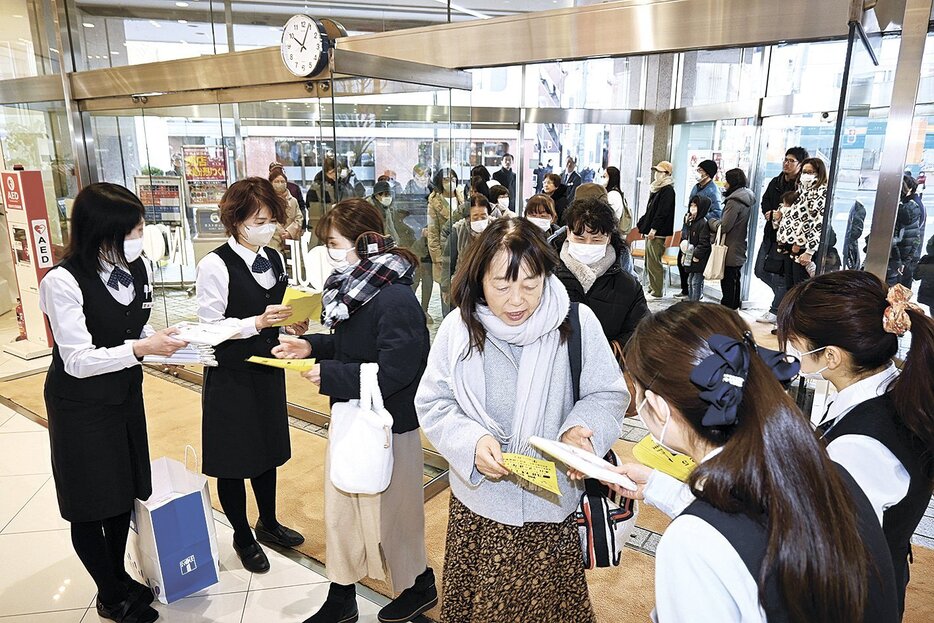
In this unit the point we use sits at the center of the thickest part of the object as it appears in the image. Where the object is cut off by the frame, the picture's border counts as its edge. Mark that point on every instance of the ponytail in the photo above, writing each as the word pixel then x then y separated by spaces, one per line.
pixel 913 390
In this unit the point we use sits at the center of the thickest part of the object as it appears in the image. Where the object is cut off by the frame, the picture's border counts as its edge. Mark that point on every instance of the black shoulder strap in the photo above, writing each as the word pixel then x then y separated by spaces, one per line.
pixel 575 349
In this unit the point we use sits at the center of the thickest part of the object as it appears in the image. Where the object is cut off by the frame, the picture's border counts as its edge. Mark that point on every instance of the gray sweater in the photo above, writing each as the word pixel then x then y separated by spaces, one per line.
pixel 602 404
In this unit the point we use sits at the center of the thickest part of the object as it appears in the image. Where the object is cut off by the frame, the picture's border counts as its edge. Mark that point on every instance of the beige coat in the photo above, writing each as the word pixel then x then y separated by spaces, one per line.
pixel 292 224
pixel 440 219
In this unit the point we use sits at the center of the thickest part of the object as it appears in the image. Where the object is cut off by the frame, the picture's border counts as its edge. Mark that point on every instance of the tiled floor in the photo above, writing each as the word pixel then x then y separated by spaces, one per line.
pixel 42 581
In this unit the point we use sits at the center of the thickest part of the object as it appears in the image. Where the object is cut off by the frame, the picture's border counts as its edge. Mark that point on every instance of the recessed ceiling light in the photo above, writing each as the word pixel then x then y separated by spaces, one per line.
pixel 181 4
pixel 183 21
pixel 87 25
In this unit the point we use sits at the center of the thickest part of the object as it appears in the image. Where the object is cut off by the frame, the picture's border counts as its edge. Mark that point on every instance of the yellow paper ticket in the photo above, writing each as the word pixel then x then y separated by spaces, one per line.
pixel 537 471
pixel 653 455
pixel 305 305
pixel 301 365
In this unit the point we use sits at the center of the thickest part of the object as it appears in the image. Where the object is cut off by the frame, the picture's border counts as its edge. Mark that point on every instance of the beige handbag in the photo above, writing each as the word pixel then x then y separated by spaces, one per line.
pixel 717 262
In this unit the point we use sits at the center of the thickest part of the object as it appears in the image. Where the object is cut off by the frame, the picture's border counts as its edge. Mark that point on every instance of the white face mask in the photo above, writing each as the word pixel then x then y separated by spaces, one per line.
pixel 479 226
pixel 386 201
pixel 807 179
pixel 586 253
pixel 503 203
pixel 448 185
pixel 699 177
pixel 338 257
pixel 603 181
pixel 280 187
pixel 660 440
pixel 132 249
pixel 818 376
pixel 259 235
pixel 542 223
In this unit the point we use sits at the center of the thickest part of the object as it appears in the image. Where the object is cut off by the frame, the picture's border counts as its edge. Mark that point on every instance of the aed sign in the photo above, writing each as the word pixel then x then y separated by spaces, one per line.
pixel 12 191
pixel 42 243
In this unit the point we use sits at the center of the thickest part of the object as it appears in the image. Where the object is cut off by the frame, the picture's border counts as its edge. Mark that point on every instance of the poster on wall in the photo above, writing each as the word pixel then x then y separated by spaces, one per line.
pixel 205 178
pixel 161 196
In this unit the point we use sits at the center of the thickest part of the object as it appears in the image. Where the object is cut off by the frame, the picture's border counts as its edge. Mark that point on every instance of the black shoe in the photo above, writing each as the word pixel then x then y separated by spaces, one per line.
pixel 138 593
pixel 279 535
pixel 127 611
pixel 253 557
pixel 413 601
pixel 339 607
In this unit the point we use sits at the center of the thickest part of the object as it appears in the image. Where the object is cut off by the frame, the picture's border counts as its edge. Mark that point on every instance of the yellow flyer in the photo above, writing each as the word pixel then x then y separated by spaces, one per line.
pixel 304 305
pixel 653 455
pixel 300 365
pixel 537 471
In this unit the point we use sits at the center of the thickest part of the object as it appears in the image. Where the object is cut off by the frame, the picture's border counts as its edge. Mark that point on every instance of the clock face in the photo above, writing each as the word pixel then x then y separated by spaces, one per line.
pixel 304 45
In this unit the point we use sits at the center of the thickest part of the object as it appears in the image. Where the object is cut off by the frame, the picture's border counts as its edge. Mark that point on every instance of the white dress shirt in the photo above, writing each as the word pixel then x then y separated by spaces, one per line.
pixel 699 577
pixel 61 299
pixel 880 475
pixel 213 286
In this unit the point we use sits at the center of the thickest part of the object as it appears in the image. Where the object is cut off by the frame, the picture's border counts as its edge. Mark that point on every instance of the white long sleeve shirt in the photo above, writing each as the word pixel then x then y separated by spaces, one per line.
pixel 61 299
pixel 213 285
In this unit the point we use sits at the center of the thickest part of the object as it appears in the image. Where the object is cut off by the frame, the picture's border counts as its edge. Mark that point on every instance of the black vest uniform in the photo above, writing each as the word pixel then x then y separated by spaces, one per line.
pixel 245 426
pixel 97 425
pixel 750 540
pixel 877 418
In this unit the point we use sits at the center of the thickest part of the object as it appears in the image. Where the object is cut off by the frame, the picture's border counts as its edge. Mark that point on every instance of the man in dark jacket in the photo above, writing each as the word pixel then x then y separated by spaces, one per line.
pixel 656 224
pixel 854 231
pixel 784 182
pixel 571 178
pixel 913 236
pixel 507 177
pixel 613 294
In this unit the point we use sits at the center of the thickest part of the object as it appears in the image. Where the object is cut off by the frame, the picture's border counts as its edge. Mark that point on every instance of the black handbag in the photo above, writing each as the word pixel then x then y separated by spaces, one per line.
pixel 774 261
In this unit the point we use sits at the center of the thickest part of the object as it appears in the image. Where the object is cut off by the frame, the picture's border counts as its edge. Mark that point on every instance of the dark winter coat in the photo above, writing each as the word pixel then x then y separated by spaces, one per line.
pixel 772 200
pixel 698 236
pixel 735 224
pixel 659 213
pixel 561 197
pixel 924 272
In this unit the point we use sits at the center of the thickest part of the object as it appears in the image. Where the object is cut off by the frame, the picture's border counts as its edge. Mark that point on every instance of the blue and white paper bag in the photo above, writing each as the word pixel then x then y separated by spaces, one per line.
pixel 172 544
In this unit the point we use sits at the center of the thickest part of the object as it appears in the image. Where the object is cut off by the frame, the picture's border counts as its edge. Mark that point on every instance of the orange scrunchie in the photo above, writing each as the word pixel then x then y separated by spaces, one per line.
pixel 896 319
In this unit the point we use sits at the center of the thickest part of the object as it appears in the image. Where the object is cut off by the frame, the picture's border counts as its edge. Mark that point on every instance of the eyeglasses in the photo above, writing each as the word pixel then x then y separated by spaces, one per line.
pixel 790 161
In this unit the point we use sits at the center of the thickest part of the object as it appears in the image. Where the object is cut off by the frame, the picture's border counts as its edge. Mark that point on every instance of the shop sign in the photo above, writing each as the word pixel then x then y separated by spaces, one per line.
pixel 12 191
pixel 43 243
pixel 205 163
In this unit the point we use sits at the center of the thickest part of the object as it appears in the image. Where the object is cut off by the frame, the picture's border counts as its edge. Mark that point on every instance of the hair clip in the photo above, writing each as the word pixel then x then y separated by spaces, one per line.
pixel 721 377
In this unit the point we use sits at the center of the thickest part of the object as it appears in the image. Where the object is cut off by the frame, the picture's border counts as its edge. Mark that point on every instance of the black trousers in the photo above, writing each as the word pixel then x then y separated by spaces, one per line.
pixel 730 286
pixel 682 272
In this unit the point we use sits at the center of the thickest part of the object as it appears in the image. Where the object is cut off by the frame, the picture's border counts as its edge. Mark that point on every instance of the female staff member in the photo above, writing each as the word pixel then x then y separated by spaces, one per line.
pixel 444 209
pixel 773 517
pixel 291 227
pixel 375 317
pixel 245 428
pixel 98 300
pixel 512 332
pixel 593 259
pixel 880 426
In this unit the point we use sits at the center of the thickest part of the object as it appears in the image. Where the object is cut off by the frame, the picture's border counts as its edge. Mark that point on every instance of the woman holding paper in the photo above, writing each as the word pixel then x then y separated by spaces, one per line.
pixel 375 318
pixel 245 429
pixel 499 373
pixel 97 298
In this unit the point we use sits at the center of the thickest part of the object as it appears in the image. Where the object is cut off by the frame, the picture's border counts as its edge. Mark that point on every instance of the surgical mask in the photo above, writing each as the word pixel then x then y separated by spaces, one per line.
pixel 279 187
pixel 339 257
pixel 503 203
pixel 386 201
pixel 542 223
pixel 259 235
pixel 132 249
pixel 807 179
pixel 345 174
pixel 603 181
pixel 817 376
pixel 479 226
pixel 587 253
pixel 448 185
pixel 660 440
pixel 699 177
pixel 421 180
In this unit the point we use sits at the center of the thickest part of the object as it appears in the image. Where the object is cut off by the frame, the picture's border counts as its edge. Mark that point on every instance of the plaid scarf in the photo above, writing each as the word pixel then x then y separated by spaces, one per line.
pixel 348 290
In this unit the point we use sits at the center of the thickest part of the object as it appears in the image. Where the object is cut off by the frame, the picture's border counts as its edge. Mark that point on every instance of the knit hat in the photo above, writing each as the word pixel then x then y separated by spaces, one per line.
pixel 709 167
pixel 382 187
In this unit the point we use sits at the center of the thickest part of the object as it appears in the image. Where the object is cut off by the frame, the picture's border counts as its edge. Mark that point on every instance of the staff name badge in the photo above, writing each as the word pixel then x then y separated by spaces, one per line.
pixel 147 296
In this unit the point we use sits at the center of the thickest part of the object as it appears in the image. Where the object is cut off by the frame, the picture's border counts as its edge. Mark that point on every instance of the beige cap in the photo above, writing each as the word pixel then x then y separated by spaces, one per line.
pixel 664 165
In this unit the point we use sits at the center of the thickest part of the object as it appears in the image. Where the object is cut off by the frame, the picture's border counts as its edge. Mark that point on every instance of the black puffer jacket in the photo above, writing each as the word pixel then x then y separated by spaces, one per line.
pixel 616 298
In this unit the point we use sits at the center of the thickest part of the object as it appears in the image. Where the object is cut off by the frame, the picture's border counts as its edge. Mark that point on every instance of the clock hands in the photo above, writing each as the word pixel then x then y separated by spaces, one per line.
pixel 300 43
pixel 307 28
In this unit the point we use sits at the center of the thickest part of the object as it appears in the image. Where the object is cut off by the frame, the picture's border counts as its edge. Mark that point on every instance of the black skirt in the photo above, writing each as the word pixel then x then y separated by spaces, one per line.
pixel 100 456
pixel 245 425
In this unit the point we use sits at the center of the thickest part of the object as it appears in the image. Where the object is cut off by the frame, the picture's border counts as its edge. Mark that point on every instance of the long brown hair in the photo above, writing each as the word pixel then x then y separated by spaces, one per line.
pixel 526 245
pixel 245 198
pixel 771 464
pixel 353 218
pixel 845 309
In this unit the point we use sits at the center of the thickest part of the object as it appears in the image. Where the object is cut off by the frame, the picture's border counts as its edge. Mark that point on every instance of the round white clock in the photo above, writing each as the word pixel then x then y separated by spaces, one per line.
pixel 305 45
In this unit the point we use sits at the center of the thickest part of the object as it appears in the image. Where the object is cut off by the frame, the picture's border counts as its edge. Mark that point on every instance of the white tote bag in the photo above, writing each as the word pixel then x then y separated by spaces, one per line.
pixel 717 261
pixel 360 439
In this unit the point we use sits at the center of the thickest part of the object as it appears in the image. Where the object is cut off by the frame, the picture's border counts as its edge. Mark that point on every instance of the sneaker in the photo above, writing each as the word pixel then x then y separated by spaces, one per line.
pixel 653 297
pixel 413 601
pixel 767 318
pixel 682 295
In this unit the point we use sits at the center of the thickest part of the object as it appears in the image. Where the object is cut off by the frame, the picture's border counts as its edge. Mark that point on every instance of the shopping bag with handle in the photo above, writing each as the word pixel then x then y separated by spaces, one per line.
pixel 716 264
pixel 360 439
pixel 172 545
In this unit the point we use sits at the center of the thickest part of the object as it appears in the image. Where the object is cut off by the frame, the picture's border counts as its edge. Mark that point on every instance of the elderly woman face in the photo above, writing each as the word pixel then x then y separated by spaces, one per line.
pixel 513 302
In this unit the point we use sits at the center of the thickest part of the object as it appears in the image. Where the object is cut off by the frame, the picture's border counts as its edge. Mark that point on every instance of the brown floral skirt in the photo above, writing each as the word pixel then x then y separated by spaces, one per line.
pixel 494 573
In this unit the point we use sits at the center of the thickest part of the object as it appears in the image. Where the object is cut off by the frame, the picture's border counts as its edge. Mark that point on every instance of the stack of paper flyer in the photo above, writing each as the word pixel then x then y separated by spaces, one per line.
pixel 201 338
